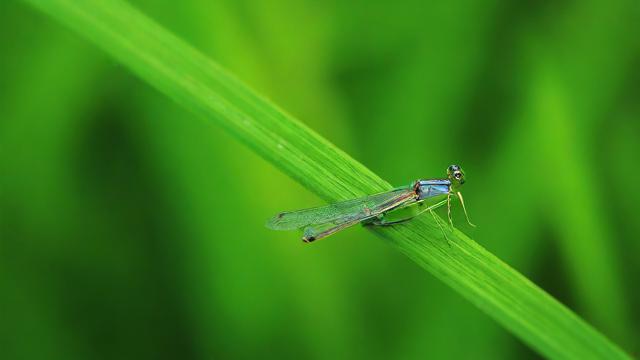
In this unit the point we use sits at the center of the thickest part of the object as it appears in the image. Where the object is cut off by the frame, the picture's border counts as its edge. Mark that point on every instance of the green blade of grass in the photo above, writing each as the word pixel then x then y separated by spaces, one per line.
pixel 184 74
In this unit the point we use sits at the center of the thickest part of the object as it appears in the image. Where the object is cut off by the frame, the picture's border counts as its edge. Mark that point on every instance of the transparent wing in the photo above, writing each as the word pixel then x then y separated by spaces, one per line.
pixel 342 212
pixel 319 231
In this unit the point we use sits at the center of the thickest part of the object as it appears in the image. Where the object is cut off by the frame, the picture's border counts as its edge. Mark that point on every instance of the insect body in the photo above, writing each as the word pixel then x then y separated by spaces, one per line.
pixel 425 195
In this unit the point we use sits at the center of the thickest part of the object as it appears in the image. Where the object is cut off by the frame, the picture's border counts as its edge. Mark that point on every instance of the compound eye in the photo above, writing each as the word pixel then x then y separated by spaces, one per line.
pixel 457 175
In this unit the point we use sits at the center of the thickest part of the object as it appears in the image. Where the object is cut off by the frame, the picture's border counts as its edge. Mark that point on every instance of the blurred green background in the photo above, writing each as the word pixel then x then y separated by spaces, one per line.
pixel 131 229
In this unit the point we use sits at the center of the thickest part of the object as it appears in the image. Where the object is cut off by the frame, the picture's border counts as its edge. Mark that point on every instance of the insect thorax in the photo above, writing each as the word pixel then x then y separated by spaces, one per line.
pixel 432 188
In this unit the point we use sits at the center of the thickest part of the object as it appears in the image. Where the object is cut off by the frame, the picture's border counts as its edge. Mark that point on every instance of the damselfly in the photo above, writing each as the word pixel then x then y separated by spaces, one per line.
pixel 378 209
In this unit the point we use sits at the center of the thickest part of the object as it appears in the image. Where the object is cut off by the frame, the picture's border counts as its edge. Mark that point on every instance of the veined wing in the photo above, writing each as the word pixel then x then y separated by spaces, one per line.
pixel 342 212
pixel 315 232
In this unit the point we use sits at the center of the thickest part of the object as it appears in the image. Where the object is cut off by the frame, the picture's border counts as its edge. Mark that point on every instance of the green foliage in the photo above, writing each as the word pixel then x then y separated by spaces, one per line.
pixel 184 74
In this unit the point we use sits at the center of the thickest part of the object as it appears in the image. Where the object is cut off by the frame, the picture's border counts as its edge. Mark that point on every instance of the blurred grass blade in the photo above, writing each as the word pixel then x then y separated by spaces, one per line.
pixel 184 74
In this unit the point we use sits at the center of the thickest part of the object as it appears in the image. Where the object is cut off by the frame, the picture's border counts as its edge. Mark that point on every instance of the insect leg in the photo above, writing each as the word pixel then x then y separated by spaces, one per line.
pixel 449 209
pixel 380 221
pixel 464 208
pixel 439 222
